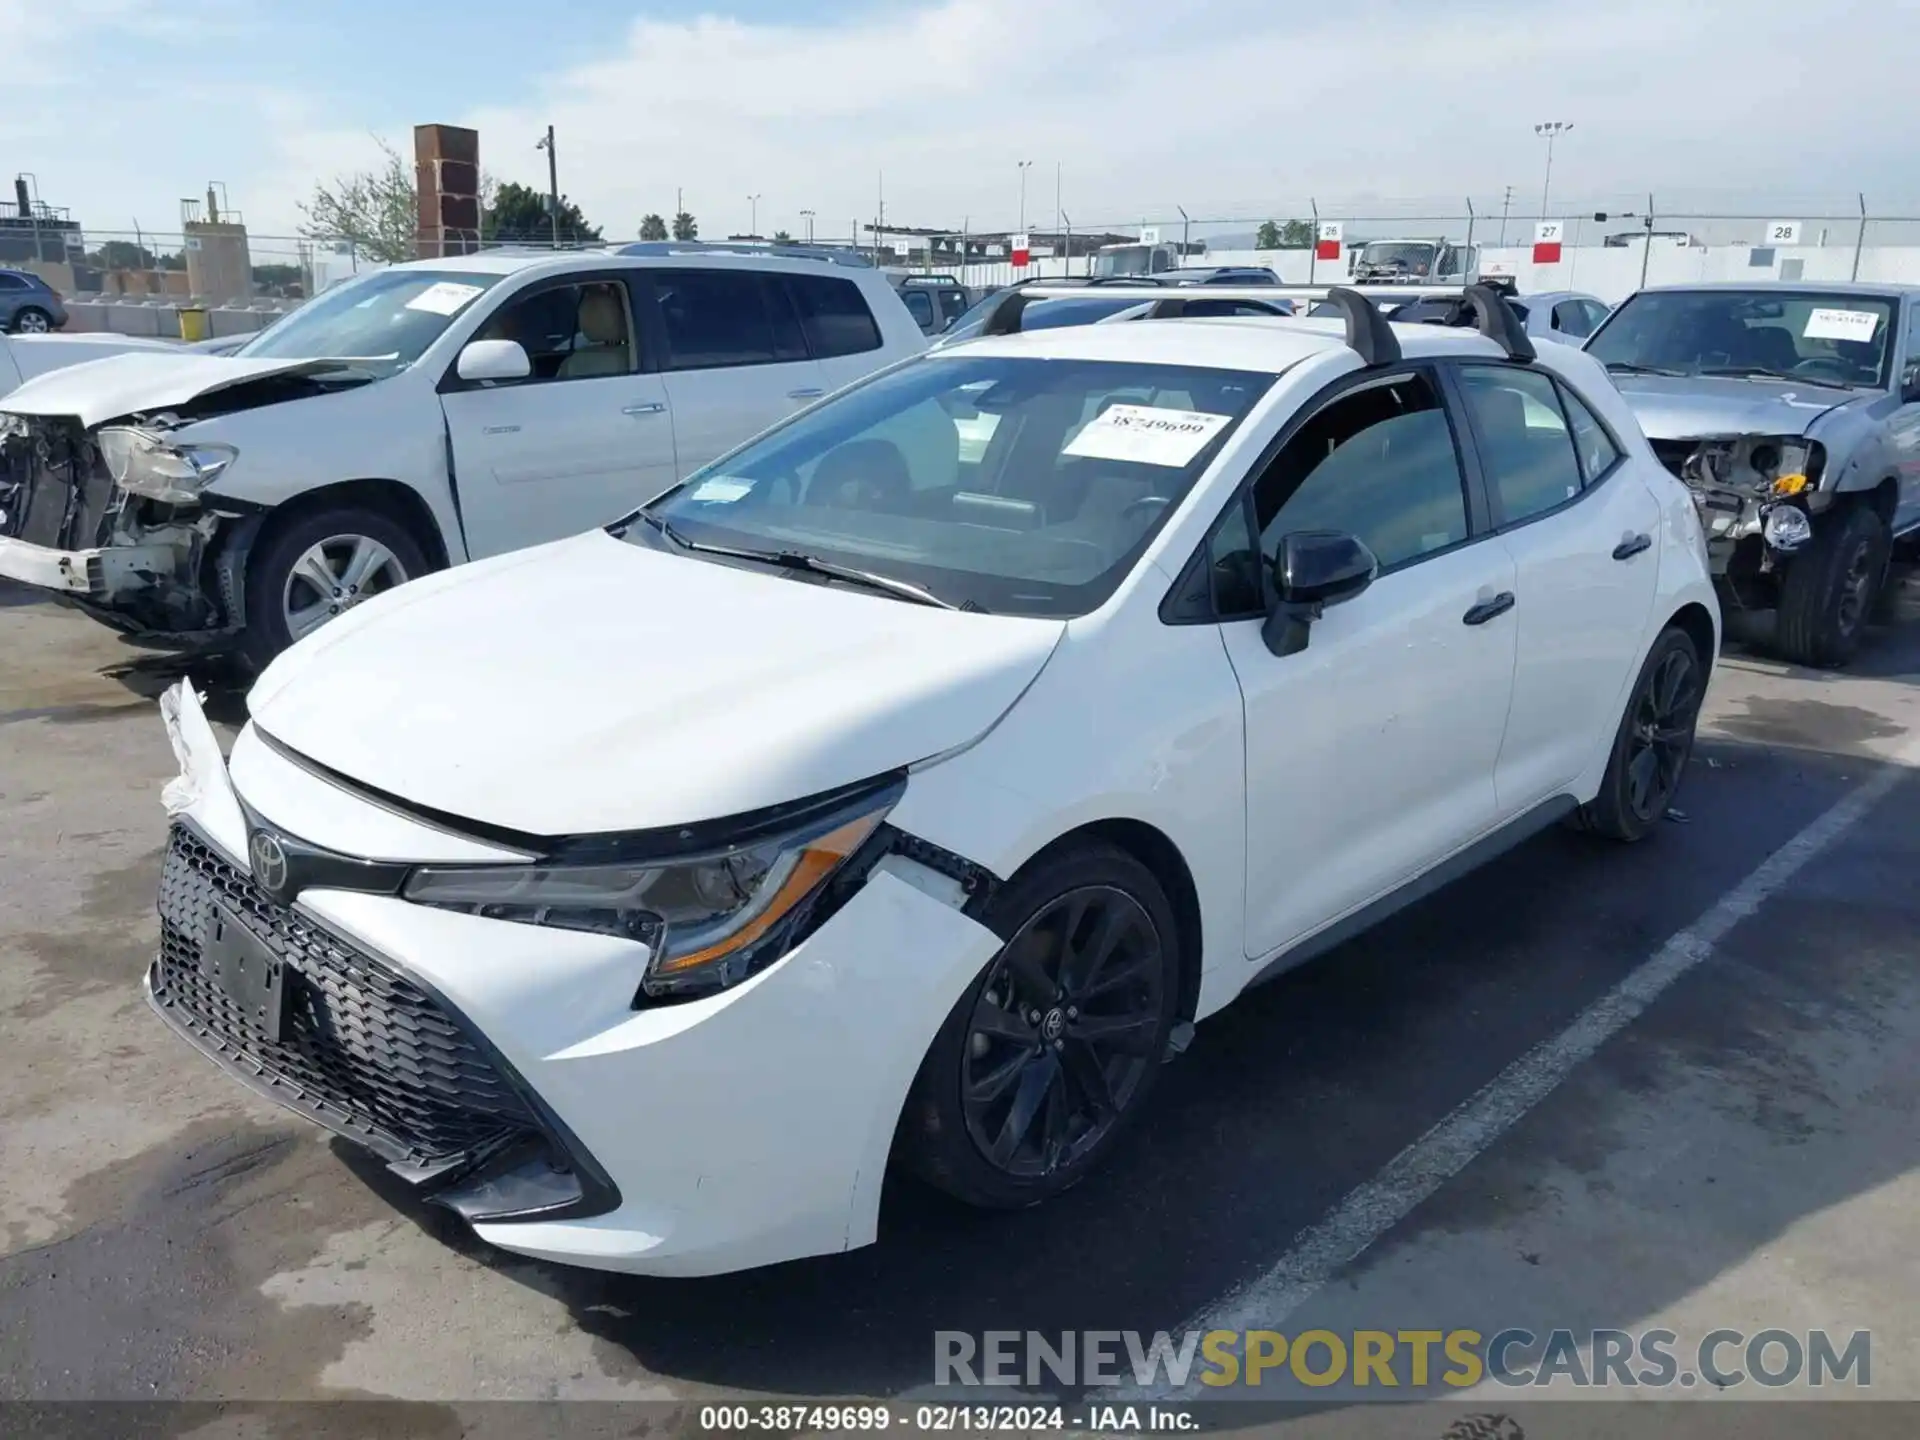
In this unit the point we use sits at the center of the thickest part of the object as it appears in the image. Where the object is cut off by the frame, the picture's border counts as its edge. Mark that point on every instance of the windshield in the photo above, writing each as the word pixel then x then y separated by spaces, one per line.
pixel 1124 260
pixel 1015 485
pixel 1412 257
pixel 385 320
pixel 1771 333
pixel 1041 314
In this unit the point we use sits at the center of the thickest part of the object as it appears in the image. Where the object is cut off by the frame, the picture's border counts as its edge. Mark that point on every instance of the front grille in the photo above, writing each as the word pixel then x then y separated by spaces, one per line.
pixel 54 486
pixel 363 1050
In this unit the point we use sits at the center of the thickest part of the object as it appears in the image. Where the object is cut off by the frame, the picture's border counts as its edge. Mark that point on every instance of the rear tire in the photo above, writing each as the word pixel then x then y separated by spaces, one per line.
pixel 1831 589
pixel 1653 744
pixel 32 320
pixel 288 593
pixel 1046 1060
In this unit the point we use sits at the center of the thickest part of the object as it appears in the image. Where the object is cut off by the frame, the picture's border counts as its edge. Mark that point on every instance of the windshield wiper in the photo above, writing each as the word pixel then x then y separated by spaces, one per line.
pixel 1627 367
pixel 811 564
pixel 1762 372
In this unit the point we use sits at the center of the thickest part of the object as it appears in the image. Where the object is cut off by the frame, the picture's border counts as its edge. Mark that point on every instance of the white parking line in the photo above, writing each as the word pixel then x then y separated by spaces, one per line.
pixel 1369 1212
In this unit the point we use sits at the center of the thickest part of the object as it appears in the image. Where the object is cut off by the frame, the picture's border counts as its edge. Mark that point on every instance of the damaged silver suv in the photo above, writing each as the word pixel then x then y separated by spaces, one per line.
pixel 1793 414
pixel 410 419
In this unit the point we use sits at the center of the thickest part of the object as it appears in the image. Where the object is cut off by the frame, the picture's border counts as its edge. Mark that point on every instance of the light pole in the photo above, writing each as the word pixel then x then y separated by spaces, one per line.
pixel 753 215
pixel 553 183
pixel 807 215
pixel 1025 165
pixel 1550 131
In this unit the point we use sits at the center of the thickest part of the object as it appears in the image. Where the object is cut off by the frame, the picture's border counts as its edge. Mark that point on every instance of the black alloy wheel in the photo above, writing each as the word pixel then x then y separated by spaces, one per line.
pixel 1654 741
pixel 1052 1051
pixel 1065 1029
pixel 1661 738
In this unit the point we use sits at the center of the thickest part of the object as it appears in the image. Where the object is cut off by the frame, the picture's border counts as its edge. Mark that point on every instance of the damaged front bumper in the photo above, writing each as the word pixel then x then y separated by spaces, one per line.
pixel 1755 519
pixel 151 570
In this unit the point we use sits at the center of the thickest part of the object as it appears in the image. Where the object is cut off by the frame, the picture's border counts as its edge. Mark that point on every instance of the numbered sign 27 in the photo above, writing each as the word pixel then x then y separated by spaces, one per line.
pixel 1546 242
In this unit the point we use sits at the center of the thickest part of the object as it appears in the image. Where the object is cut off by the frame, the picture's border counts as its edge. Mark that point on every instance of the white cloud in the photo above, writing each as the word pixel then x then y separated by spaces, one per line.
pixel 1231 108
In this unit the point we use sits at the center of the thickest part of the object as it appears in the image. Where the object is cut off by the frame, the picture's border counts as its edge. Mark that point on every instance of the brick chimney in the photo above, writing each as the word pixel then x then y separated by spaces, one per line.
pixel 446 167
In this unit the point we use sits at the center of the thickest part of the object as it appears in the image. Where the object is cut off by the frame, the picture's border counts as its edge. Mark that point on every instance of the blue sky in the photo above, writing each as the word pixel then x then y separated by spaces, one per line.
pixel 1233 108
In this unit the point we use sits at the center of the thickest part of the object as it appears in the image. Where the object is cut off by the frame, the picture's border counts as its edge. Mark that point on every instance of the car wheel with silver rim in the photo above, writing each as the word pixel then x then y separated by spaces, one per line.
pixel 1054 1048
pixel 315 568
pixel 31 321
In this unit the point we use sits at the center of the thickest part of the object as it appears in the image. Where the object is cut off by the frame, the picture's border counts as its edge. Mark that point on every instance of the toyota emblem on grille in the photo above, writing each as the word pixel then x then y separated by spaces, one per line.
pixel 268 858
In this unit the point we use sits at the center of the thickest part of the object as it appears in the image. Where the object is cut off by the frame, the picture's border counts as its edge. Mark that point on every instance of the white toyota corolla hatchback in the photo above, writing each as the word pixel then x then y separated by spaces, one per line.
pixel 902 787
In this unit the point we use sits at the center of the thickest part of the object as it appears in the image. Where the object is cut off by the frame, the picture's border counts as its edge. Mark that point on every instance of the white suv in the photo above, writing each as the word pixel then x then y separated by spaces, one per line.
pixel 414 418
pixel 879 796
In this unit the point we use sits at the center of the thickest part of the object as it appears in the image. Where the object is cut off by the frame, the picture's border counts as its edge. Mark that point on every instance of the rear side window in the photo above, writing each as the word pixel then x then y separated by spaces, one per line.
pixel 834 315
pixel 715 318
pixel 12 282
pixel 1525 444
pixel 1591 442
pixel 953 304
pixel 920 306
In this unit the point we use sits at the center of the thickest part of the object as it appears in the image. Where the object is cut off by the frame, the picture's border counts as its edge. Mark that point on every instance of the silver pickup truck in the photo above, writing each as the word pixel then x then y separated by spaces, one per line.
pixel 1792 411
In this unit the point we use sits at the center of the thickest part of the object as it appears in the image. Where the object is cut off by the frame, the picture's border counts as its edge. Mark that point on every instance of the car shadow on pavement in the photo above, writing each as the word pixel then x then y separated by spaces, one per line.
pixel 223 680
pixel 1309 1085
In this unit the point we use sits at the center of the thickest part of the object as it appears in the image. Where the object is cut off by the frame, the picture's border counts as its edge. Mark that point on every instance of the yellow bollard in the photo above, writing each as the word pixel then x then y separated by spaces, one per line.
pixel 193 322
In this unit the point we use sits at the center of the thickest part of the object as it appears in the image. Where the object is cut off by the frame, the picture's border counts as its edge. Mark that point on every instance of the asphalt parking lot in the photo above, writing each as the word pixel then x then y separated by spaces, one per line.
pixel 1743 1153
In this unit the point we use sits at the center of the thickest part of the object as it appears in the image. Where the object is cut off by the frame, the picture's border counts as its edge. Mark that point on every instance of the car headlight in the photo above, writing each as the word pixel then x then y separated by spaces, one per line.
pixel 708 921
pixel 143 463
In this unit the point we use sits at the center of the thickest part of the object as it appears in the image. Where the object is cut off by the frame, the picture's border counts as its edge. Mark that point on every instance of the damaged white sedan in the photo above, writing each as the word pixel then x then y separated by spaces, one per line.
pixel 408 420
pixel 904 786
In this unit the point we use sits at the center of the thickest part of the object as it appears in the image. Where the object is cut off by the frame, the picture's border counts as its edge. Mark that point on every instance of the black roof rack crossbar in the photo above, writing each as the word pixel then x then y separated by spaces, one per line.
pixel 1175 306
pixel 1368 333
pixel 1495 319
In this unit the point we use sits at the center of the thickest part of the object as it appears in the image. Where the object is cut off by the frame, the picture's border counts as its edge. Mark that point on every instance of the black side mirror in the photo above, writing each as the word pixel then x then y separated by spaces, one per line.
pixel 1314 569
pixel 1910 385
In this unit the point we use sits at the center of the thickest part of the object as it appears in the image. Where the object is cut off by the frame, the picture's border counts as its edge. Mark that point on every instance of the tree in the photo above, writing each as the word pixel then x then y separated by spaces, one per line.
pixel 517 214
pixel 377 210
pixel 685 227
pixel 780 237
pixel 652 227
pixel 1294 235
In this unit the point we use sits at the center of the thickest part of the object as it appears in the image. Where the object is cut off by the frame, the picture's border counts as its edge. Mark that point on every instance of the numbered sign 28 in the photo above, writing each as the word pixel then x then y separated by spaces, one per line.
pixel 1783 232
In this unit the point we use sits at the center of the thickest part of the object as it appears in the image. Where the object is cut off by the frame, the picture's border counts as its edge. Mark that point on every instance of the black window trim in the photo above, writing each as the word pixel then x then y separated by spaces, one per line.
pixel 1189 600
pixel 1561 389
pixel 451 383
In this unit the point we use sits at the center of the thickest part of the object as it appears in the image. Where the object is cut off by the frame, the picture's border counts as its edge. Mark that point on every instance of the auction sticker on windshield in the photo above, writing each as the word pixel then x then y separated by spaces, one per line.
pixel 1146 435
pixel 444 297
pixel 1841 324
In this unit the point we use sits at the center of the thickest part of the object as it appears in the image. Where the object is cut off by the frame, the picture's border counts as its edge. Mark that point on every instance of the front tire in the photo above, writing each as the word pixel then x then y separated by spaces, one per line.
pixel 1654 741
pixel 1831 588
pixel 32 320
pixel 1051 1053
pixel 313 568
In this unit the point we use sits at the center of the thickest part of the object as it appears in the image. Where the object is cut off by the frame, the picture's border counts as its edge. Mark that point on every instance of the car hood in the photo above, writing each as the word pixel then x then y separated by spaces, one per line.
pixel 143 381
pixel 591 685
pixel 1698 407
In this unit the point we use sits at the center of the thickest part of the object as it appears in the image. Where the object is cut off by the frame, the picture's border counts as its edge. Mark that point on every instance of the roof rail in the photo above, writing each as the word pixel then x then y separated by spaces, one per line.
pixel 716 247
pixel 1368 333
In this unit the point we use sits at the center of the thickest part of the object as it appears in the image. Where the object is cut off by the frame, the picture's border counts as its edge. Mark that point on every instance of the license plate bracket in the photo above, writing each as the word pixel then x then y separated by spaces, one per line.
pixel 250 974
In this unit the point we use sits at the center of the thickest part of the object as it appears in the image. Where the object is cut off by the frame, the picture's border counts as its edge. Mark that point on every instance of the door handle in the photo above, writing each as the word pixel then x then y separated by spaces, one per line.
pixel 1488 609
pixel 652 407
pixel 1631 546
pixel 813 393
